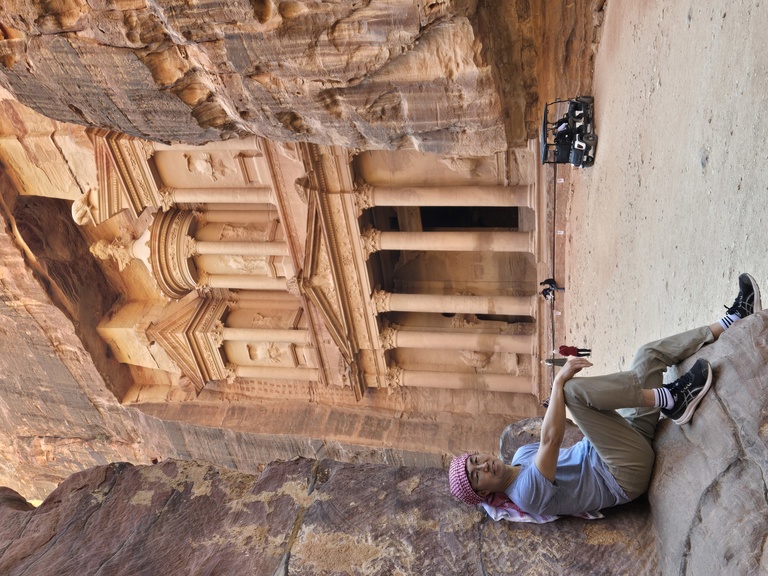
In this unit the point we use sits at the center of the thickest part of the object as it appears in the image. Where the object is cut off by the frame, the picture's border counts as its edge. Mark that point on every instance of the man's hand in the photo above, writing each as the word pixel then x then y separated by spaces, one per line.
pixel 571 368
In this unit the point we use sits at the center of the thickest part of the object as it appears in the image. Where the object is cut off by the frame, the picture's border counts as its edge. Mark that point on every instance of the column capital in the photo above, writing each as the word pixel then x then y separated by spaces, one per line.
pixel 203 280
pixel 231 372
pixel 394 376
pixel 166 198
pixel 362 194
pixel 388 336
pixel 371 239
pixel 190 246
pixel 201 216
pixel 233 302
pixel 381 301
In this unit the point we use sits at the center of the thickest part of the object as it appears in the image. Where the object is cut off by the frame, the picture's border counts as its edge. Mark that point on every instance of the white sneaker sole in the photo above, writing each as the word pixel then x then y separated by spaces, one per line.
pixel 691 408
pixel 757 304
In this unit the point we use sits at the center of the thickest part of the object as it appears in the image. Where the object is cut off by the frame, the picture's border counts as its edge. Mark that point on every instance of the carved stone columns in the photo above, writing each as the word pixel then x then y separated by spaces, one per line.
pixel 241 282
pixel 398 376
pixel 242 217
pixel 367 196
pixel 462 241
pixel 456 304
pixel 393 337
pixel 198 247
pixel 250 194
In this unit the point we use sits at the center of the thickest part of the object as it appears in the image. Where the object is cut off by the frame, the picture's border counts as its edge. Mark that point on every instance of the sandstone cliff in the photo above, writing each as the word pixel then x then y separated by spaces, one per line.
pixel 457 77
pixel 374 74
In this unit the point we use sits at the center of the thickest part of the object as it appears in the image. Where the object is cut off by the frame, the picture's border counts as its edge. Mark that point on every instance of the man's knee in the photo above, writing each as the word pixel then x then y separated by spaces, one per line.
pixel 573 392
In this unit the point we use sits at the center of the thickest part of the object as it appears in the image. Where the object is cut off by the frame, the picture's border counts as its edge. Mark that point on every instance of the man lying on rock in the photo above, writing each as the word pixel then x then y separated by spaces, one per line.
pixel 613 463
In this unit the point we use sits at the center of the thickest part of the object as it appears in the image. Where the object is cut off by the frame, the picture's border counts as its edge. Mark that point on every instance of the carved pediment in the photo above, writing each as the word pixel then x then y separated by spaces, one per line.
pixel 319 284
pixel 125 175
pixel 189 332
pixel 110 196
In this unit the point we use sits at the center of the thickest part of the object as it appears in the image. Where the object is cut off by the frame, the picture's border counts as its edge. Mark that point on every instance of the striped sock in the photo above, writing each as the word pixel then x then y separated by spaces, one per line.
pixel 728 319
pixel 663 398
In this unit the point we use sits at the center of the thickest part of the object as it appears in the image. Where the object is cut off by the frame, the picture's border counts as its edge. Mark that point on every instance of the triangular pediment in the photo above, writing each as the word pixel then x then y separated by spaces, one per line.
pixel 189 332
pixel 319 282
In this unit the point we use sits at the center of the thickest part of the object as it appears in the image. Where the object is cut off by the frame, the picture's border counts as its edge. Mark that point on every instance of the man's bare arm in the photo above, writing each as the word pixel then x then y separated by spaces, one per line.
pixel 553 426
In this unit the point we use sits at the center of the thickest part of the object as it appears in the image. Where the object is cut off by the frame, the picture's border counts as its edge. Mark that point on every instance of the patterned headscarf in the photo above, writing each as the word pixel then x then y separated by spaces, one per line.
pixel 460 486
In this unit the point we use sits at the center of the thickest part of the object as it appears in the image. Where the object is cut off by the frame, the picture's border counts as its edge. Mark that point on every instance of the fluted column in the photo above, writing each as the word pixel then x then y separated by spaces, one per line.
pixel 460 241
pixel 456 304
pixel 367 196
pixel 393 337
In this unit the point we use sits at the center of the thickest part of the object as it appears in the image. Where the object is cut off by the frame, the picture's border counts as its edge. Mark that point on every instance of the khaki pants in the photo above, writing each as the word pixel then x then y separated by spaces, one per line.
pixel 605 408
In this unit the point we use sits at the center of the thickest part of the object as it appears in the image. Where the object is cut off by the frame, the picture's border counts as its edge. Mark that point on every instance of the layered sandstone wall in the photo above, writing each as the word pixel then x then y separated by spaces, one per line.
pixel 457 77
pixel 375 74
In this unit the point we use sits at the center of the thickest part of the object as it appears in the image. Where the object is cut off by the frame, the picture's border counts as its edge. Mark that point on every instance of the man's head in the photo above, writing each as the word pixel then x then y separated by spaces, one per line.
pixel 474 477
pixel 460 486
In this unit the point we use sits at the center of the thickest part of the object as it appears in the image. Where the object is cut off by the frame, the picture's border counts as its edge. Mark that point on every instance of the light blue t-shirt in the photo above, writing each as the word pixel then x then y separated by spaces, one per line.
pixel 583 482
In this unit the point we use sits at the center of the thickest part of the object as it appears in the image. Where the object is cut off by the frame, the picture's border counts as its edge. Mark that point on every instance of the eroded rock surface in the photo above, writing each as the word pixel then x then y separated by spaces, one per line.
pixel 301 517
pixel 709 489
pixel 374 74
pixel 457 77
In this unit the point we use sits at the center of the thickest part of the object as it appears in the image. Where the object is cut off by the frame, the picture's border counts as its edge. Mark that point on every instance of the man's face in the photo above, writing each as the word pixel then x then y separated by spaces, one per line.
pixel 486 474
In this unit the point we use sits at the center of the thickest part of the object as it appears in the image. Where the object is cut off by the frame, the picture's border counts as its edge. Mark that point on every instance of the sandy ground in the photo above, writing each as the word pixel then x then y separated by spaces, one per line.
pixel 674 207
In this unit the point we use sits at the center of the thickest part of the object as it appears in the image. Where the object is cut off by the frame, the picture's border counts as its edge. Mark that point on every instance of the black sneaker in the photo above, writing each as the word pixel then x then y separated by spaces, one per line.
pixel 687 392
pixel 748 300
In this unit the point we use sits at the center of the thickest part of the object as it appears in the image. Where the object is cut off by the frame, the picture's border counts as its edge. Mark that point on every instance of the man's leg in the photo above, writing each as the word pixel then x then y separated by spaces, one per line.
pixel 625 444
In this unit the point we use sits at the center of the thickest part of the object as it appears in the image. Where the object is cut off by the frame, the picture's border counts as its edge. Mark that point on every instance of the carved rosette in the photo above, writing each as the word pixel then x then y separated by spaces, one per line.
pixel 381 301
pixel 362 196
pixel 371 239
pixel 174 270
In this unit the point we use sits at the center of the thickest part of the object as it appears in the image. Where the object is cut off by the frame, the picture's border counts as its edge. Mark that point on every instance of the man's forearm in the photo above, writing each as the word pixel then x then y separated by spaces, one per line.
pixel 553 425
